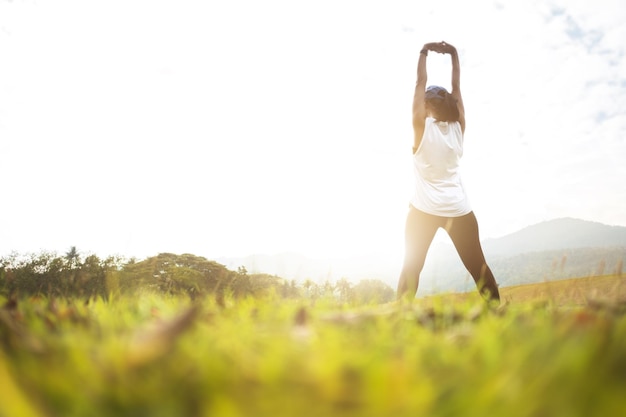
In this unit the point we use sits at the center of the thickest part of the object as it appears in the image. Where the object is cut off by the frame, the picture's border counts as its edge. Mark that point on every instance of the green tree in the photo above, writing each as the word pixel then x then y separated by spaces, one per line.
pixel 72 257
pixel 373 291
pixel 241 283
pixel 92 278
pixel 344 289
pixel 309 287
pixel 174 274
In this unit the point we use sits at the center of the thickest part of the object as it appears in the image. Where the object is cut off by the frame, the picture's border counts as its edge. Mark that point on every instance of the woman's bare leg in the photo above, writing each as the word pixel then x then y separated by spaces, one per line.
pixel 464 234
pixel 419 232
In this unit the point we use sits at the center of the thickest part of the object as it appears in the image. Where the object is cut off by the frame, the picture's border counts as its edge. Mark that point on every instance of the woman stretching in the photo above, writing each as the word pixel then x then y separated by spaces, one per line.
pixel 439 199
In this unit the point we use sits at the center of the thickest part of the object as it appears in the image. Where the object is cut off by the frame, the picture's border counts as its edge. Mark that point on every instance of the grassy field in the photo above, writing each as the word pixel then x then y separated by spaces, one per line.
pixel 554 349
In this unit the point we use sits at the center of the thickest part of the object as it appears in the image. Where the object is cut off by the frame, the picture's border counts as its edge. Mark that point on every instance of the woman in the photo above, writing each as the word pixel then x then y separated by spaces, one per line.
pixel 439 199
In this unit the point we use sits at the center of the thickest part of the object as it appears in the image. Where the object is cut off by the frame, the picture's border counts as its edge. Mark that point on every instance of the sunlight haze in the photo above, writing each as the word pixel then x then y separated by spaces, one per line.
pixel 229 128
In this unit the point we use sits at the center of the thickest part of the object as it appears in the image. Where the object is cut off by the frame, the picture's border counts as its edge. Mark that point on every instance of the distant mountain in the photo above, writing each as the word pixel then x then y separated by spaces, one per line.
pixel 555 249
pixel 558 234
pixel 288 265
pixel 295 266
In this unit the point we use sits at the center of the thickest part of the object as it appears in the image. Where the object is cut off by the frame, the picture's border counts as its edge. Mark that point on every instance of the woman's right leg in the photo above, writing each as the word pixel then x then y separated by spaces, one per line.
pixel 464 234
pixel 419 232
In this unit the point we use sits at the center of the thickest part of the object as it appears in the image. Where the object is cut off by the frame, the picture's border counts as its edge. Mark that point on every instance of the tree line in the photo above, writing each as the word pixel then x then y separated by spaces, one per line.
pixel 71 275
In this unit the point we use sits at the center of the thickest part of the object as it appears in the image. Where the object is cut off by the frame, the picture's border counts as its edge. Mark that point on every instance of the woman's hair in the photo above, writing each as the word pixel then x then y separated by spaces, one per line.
pixel 442 104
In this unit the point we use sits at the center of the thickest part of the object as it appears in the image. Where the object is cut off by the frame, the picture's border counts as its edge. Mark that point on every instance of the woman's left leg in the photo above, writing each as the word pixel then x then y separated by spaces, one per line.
pixel 464 234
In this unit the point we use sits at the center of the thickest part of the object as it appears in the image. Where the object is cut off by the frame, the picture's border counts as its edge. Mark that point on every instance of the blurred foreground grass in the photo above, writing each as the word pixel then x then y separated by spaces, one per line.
pixel 160 356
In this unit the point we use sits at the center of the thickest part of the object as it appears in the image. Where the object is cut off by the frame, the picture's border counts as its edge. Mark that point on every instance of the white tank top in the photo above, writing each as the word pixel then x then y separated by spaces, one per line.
pixel 438 186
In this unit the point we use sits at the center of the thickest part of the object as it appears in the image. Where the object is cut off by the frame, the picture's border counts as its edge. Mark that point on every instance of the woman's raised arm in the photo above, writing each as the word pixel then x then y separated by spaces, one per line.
pixel 446 48
pixel 419 106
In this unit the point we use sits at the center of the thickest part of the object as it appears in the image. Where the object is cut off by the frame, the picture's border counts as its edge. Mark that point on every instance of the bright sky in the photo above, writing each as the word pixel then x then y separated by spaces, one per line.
pixel 229 128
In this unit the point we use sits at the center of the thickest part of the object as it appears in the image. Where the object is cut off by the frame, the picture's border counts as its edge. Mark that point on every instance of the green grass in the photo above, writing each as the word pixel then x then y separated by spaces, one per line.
pixel 161 356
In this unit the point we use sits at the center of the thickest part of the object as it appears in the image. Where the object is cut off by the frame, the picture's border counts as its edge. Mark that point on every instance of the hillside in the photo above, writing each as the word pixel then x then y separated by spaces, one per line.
pixel 558 234
pixel 551 250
